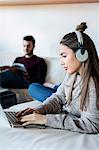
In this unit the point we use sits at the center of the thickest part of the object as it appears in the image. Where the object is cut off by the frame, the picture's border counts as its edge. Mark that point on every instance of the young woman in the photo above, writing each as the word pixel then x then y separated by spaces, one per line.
pixel 75 105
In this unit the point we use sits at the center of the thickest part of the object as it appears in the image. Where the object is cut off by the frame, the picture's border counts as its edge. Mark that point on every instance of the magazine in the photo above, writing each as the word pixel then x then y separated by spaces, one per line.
pixel 19 66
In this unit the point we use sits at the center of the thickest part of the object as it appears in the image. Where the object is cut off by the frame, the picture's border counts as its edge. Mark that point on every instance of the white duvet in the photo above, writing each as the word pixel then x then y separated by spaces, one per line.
pixel 44 139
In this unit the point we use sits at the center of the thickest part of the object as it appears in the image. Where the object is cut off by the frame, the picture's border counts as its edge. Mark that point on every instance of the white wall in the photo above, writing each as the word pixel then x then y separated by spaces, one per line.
pixel 47 23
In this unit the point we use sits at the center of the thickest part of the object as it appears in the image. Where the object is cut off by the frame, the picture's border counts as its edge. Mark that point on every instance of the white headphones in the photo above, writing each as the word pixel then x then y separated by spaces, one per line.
pixel 81 54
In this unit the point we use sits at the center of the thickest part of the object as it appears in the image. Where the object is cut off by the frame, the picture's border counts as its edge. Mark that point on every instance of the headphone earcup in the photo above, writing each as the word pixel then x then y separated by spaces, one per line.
pixel 81 57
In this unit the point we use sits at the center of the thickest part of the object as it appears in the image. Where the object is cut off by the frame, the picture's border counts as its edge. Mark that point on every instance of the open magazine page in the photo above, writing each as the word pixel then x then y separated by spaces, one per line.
pixel 20 69
pixel 19 66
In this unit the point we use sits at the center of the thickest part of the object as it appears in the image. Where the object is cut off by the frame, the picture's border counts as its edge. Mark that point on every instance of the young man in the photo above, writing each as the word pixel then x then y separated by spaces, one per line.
pixel 34 68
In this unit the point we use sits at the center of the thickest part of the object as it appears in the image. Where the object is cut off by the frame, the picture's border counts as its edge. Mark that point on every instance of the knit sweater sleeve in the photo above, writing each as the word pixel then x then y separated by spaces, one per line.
pixel 54 103
pixel 87 122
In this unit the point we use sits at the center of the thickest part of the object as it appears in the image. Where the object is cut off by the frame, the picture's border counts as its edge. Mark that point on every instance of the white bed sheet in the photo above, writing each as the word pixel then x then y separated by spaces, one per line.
pixel 45 139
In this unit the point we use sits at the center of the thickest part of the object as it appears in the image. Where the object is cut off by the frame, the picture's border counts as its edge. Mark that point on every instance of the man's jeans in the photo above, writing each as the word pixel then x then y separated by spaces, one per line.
pixel 9 79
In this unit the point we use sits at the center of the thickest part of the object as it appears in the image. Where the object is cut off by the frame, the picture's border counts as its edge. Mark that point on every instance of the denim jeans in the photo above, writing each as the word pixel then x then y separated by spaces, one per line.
pixel 9 79
pixel 40 92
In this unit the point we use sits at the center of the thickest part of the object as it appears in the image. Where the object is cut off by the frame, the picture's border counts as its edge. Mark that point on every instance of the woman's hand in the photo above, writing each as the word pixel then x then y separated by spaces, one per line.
pixel 26 112
pixel 30 115
pixel 33 118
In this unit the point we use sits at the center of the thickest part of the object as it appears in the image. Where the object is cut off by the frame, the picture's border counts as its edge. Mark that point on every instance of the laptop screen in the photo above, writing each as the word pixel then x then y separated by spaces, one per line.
pixel 4 123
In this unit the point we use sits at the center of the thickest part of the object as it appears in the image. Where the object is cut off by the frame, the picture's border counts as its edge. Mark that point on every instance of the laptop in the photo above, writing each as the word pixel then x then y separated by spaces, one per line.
pixel 8 119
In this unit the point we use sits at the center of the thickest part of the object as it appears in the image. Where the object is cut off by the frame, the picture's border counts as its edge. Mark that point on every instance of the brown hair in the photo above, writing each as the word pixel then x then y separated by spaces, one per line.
pixel 91 65
pixel 29 38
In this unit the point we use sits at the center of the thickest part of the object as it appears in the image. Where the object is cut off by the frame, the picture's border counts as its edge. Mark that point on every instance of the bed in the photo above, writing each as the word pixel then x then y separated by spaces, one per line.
pixel 44 139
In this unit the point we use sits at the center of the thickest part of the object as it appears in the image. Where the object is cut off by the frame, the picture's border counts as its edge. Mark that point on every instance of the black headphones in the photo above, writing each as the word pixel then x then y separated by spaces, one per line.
pixel 81 53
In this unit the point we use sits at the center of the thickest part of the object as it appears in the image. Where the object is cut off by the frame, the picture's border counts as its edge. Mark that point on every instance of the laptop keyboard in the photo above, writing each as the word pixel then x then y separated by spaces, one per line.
pixel 11 117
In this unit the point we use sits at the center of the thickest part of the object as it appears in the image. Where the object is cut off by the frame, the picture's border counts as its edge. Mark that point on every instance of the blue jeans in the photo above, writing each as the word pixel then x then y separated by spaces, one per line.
pixel 40 92
pixel 9 79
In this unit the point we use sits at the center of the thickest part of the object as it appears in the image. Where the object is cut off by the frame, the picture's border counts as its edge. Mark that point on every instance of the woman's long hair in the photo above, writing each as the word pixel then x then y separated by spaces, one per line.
pixel 91 66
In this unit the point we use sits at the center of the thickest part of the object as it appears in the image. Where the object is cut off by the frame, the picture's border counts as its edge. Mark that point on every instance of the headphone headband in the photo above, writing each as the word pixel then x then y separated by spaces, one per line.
pixel 79 36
